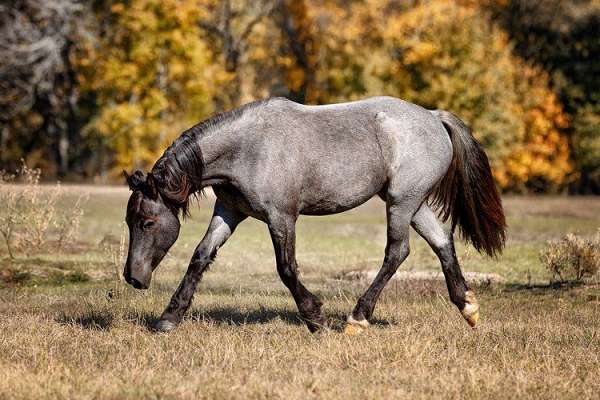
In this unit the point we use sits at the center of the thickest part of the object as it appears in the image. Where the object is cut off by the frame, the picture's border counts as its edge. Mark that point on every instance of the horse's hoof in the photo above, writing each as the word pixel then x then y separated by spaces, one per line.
pixel 354 327
pixel 353 330
pixel 471 310
pixel 317 326
pixel 164 326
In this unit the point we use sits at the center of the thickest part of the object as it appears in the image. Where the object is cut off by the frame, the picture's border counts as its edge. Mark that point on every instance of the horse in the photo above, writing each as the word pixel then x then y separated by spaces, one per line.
pixel 275 160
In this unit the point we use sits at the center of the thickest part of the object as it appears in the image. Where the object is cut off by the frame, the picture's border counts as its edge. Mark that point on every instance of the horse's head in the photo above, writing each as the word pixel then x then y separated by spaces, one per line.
pixel 153 228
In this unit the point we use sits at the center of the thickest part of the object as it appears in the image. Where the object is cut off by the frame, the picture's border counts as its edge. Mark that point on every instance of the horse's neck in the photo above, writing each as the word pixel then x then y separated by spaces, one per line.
pixel 218 148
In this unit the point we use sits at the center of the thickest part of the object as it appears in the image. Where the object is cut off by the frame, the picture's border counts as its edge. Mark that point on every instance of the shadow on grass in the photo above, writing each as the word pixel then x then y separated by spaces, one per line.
pixel 232 316
pixel 223 316
pixel 98 321
pixel 543 288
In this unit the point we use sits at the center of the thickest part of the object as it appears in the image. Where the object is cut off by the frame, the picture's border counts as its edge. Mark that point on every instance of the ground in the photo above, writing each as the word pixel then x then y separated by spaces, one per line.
pixel 74 331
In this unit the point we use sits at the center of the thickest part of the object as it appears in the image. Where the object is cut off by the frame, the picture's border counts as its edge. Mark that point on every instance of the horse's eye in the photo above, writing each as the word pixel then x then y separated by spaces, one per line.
pixel 147 224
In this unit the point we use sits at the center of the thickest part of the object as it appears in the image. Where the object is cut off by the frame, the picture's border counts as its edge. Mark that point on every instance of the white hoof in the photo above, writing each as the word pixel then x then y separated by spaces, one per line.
pixel 471 310
pixel 354 327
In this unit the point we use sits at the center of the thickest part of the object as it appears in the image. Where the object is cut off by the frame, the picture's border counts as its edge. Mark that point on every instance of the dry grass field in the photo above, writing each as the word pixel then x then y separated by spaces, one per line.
pixel 69 329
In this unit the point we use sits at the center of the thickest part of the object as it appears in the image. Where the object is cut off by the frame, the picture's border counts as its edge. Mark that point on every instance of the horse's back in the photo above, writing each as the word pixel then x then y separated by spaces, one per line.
pixel 332 158
pixel 411 139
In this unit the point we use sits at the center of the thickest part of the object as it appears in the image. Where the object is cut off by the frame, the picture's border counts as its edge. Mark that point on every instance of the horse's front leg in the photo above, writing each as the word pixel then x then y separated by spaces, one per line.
pixel 222 225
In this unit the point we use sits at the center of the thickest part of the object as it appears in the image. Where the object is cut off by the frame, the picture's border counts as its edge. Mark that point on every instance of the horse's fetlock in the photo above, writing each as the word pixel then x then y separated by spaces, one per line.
pixel 311 305
pixel 203 259
pixel 470 310
pixel 458 300
pixel 363 310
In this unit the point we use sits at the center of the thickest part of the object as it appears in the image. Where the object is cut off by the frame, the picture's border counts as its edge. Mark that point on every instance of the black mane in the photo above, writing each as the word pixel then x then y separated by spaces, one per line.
pixel 178 172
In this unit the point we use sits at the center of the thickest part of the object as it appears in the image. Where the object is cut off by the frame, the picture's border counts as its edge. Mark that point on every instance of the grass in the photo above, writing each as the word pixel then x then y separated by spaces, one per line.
pixel 89 338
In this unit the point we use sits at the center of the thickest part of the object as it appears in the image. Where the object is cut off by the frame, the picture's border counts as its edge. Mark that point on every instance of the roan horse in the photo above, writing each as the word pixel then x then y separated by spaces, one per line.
pixel 275 159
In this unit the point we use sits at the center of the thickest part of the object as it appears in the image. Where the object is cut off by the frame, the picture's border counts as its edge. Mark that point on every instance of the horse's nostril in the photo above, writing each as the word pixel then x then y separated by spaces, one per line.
pixel 135 283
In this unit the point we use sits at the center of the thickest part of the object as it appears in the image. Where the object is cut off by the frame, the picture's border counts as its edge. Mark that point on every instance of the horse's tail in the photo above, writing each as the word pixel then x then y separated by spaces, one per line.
pixel 467 193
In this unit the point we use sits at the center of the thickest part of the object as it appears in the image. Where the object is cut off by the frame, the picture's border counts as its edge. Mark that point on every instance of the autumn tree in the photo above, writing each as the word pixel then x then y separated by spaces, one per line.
pixel 135 73
pixel 455 59
pixel 298 50
pixel 442 54
pixel 229 25
pixel 152 75
pixel 562 38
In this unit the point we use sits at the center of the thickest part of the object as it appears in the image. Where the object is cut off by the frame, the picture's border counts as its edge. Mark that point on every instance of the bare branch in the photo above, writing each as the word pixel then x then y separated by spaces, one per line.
pixel 211 29
pixel 262 14
pixel 33 35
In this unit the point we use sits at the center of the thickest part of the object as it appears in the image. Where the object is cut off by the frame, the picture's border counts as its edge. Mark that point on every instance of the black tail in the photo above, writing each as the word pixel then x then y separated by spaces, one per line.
pixel 467 194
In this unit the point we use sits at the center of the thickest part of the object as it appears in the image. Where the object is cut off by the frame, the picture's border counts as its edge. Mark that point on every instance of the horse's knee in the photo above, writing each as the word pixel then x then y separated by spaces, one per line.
pixel 404 250
pixel 288 273
pixel 203 257
pixel 396 253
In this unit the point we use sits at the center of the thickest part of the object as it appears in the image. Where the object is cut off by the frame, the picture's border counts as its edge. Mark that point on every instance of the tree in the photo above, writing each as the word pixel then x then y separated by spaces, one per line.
pixel 152 76
pixel 442 54
pixel 39 88
pixel 231 28
pixel 561 37
pixel 300 44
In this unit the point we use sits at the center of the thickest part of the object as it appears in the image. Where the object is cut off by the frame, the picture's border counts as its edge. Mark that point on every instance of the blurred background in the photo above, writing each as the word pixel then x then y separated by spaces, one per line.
pixel 88 88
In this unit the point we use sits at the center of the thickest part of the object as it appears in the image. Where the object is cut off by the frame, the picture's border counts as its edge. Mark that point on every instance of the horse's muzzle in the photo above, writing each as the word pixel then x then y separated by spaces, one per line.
pixel 135 283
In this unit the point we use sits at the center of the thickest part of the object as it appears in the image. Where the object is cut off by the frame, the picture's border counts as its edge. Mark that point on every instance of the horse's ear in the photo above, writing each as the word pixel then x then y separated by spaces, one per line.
pixel 136 181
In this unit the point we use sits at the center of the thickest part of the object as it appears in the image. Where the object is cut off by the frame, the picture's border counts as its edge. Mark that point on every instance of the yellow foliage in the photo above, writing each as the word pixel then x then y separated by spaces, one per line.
pixel 447 54
pixel 157 72
pixel 152 74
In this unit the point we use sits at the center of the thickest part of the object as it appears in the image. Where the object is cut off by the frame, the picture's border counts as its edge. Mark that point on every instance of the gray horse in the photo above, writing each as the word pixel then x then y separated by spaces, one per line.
pixel 275 160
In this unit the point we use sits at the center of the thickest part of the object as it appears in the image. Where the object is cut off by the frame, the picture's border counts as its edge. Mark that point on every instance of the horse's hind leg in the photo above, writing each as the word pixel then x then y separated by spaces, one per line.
pixel 283 235
pixel 399 214
pixel 222 225
pixel 427 225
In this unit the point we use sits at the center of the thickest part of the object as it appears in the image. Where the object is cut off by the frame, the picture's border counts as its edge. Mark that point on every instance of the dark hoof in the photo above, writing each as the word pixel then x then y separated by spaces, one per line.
pixel 315 324
pixel 164 326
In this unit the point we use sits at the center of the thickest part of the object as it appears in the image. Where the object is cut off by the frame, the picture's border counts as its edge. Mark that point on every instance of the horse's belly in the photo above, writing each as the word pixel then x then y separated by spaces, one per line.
pixel 333 207
pixel 339 198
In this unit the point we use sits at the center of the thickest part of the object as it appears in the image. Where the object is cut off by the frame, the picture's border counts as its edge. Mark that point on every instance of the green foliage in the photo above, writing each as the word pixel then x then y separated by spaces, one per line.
pixel 586 145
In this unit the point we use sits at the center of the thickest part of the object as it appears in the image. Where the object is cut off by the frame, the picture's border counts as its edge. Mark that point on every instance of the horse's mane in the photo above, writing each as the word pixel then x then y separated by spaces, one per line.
pixel 178 172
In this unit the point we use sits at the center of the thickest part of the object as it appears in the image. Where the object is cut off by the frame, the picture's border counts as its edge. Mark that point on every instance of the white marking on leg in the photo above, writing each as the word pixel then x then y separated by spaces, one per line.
pixel 362 323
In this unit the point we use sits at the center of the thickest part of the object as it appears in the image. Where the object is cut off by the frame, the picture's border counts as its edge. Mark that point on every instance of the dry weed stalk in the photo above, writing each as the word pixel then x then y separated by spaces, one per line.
pixel 67 225
pixel 30 217
pixel 572 257
pixel 116 253
pixel 9 215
